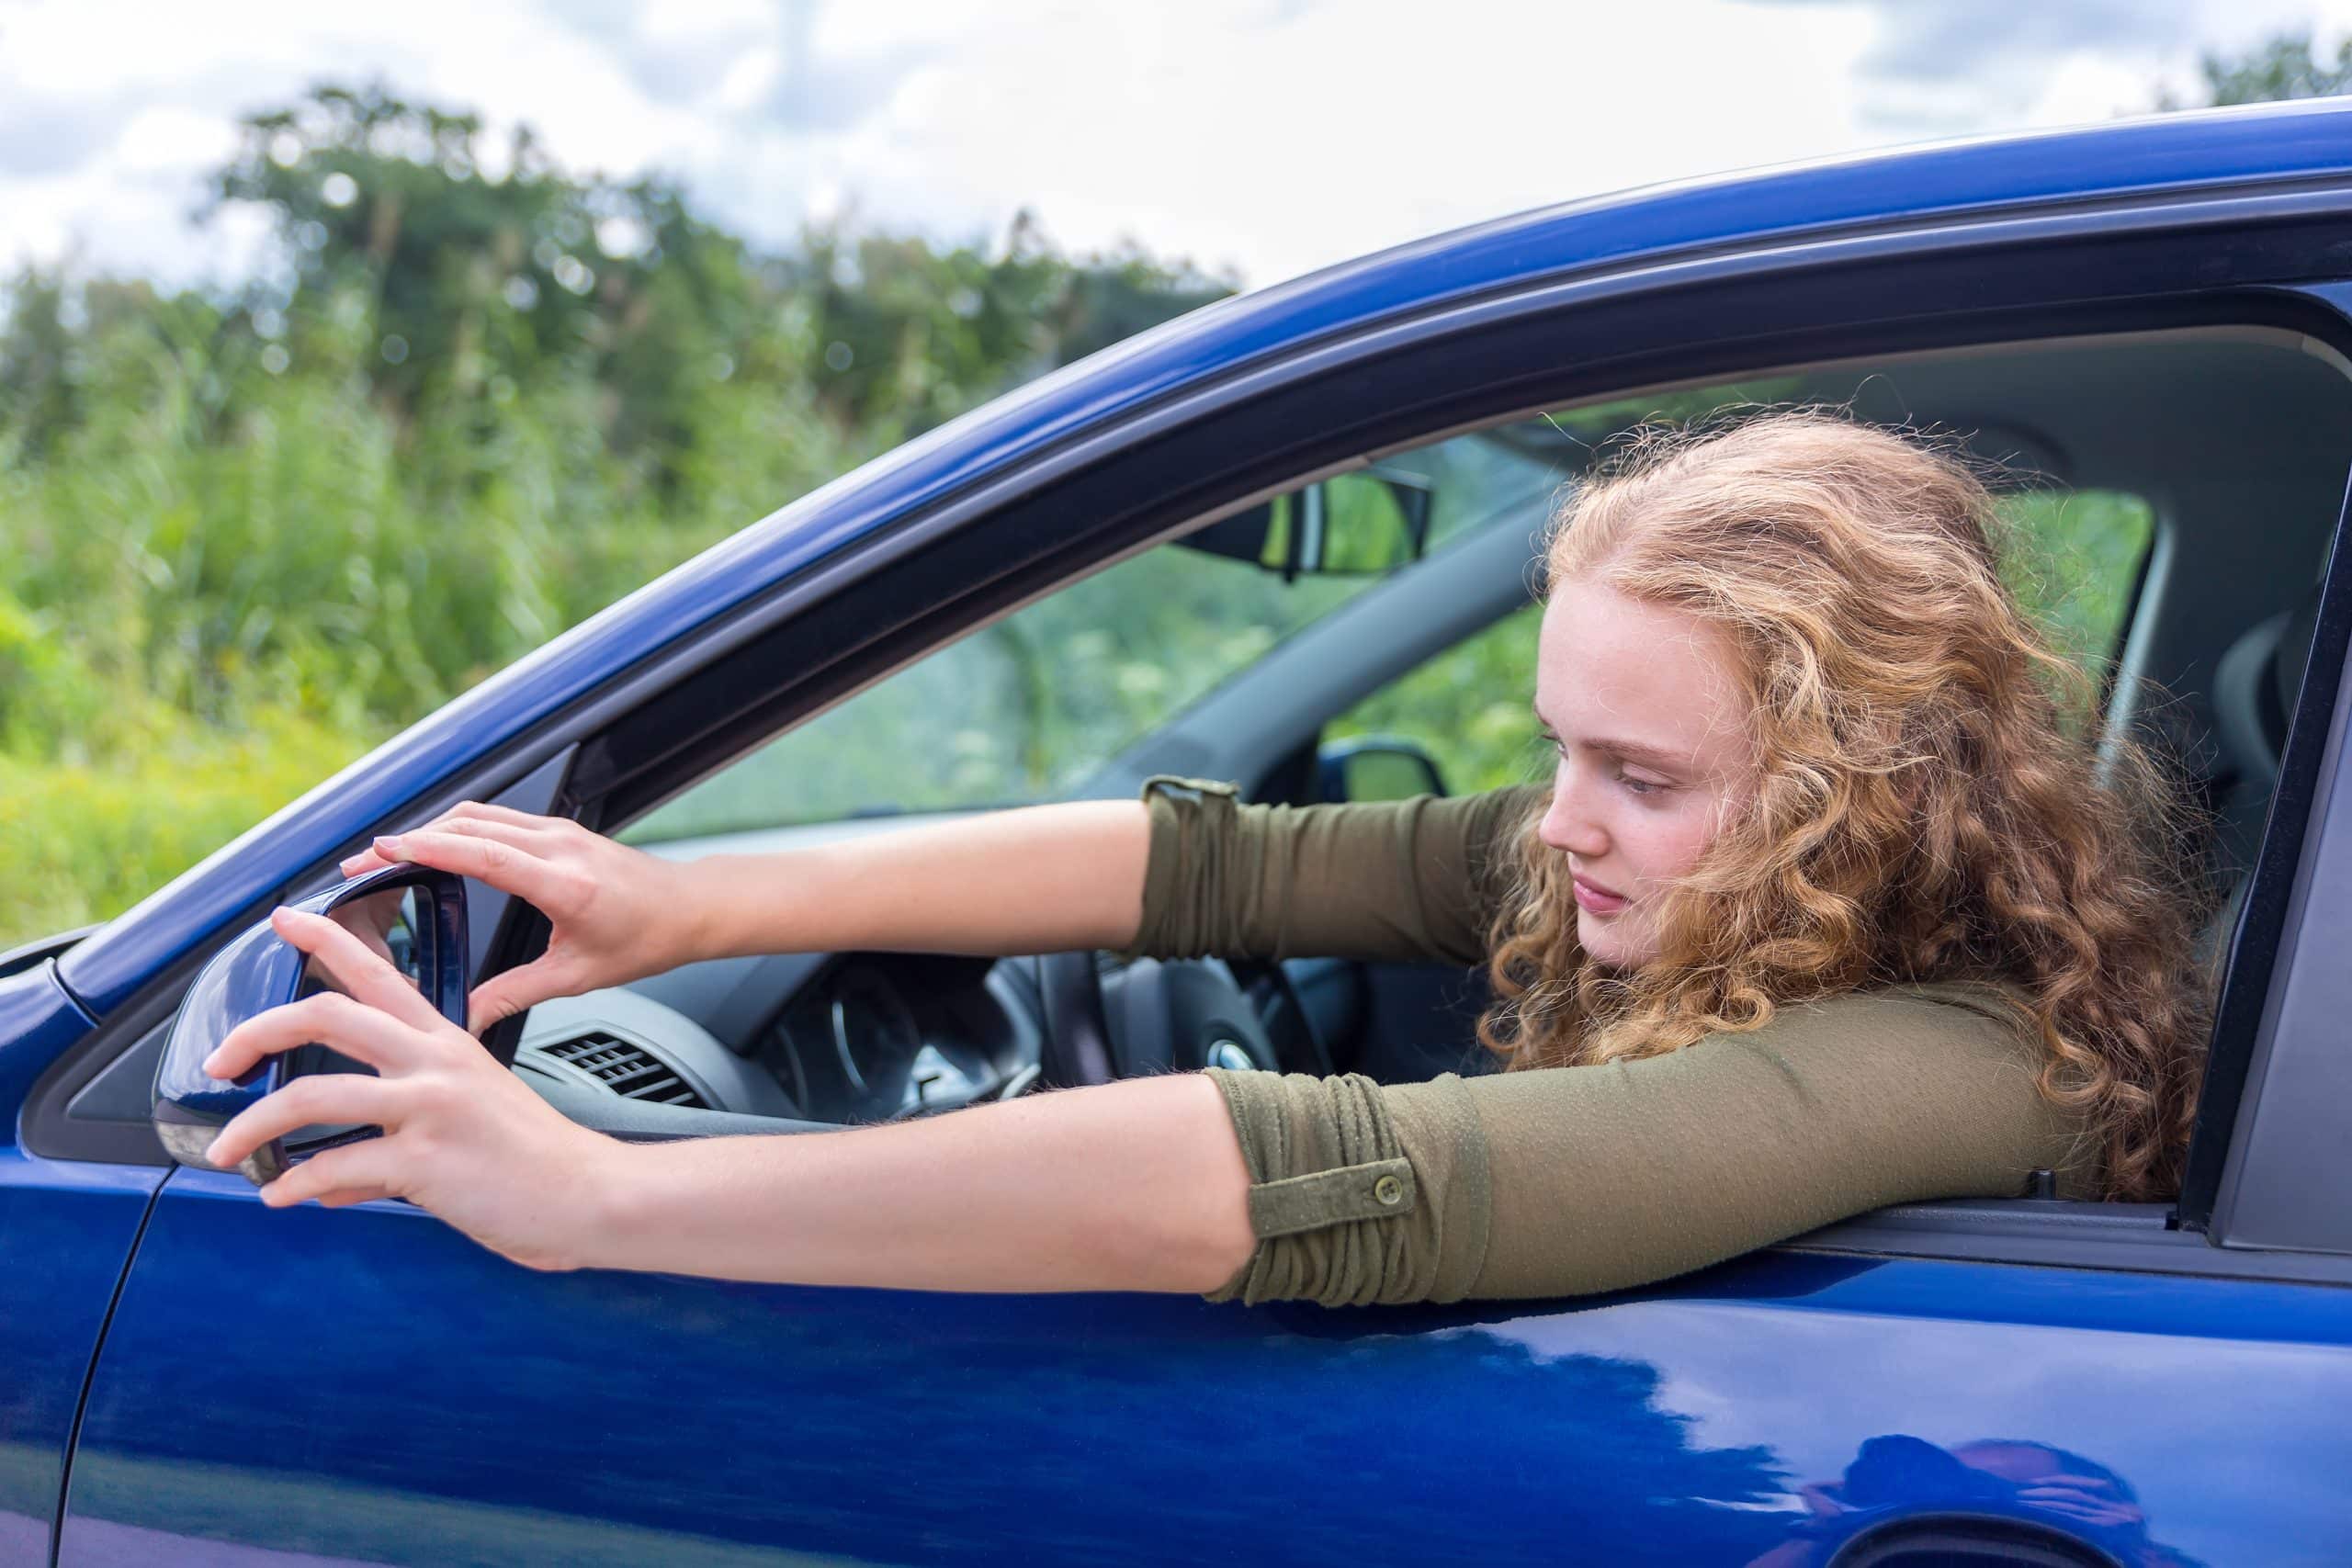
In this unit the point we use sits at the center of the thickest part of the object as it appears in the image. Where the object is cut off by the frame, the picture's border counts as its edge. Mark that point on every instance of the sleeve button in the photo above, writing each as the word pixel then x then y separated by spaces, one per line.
pixel 1389 1190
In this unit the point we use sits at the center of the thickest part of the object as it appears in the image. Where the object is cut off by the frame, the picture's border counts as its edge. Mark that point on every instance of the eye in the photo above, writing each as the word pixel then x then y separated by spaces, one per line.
pixel 1642 787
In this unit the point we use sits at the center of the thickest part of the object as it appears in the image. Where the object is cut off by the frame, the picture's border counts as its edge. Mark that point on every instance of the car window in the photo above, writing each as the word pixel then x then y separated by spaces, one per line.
pixel 1030 706
pixel 2073 557
pixel 1467 708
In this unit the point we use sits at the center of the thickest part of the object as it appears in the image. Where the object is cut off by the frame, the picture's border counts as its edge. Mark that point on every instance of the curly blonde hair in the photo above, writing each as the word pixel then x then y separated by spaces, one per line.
pixel 1930 803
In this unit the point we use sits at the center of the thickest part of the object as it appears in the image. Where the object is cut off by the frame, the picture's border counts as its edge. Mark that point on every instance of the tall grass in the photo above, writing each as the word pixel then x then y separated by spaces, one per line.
pixel 234 571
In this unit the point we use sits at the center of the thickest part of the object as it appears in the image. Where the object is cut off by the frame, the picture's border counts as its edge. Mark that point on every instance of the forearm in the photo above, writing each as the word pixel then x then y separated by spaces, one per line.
pixel 1135 1186
pixel 1040 879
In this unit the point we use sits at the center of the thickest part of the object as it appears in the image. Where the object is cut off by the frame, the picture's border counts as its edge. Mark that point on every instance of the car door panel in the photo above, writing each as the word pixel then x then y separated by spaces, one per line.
pixel 368 1385
pixel 66 1232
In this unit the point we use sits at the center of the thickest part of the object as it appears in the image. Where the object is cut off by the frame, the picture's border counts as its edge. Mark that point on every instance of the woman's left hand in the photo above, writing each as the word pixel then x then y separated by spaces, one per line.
pixel 463 1136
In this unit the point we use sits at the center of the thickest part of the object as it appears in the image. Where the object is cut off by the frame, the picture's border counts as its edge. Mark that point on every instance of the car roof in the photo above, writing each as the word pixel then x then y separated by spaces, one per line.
pixel 2182 152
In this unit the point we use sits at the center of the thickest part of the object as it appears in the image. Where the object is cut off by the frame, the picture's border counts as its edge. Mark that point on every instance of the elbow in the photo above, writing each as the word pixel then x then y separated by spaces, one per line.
pixel 1199 1235
pixel 1219 1248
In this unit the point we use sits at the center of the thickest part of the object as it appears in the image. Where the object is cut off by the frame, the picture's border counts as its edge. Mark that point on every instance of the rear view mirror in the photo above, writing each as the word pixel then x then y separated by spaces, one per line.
pixel 1361 524
pixel 412 916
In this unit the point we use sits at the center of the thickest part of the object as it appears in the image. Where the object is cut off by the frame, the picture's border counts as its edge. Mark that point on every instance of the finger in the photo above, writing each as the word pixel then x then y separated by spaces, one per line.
pixel 502 866
pixel 331 1098
pixel 519 989
pixel 490 812
pixel 376 945
pixel 533 839
pixel 338 1178
pixel 368 977
pixel 363 861
pixel 364 1034
pixel 493 821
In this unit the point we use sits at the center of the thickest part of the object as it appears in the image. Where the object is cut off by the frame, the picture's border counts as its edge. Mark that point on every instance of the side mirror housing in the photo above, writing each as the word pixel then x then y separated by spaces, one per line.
pixel 413 915
pixel 1376 767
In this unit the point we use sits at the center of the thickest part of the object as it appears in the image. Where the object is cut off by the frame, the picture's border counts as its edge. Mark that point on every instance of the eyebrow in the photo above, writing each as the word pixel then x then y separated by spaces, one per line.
pixel 1663 758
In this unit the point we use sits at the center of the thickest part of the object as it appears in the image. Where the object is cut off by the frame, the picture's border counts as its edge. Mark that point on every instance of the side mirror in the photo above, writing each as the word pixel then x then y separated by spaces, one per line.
pixel 413 915
pixel 1361 524
pixel 1376 767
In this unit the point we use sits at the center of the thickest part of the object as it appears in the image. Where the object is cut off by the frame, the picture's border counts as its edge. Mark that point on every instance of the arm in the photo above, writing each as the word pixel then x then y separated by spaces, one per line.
pixel 1567 1180
pixel 1396 881
pixel 1040 879
pixel 1133 1186
pixel 1192 873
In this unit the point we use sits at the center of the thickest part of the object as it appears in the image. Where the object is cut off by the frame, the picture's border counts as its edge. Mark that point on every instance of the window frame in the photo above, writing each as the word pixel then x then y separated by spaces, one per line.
pixel 2149 1239
pixel 2222 257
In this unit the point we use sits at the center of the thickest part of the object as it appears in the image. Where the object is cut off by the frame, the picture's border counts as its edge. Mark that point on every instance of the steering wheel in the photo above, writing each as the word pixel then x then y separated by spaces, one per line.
pixel 1173 1015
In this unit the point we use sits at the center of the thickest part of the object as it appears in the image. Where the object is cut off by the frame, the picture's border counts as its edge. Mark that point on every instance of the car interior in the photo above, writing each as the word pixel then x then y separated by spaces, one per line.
pixel 2176 490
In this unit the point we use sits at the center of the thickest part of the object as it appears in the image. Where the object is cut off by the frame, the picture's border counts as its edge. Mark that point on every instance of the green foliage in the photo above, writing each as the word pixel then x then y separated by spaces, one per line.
pixel 2073 559
pixel 244 537
pixel 2285 65
pixel 1468 709
pixel 1022 709
pixel 83 840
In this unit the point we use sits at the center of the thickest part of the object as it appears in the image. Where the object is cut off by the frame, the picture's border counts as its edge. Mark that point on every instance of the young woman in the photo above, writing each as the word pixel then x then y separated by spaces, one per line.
pixel 1830 904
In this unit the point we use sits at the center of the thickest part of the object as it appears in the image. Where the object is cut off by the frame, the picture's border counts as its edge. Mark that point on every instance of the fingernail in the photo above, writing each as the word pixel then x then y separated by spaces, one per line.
pixel 212 1152
pixel 387 840
pixel 208 1063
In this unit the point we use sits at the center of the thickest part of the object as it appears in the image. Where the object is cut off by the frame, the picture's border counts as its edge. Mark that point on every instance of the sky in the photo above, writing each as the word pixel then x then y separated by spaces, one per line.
pixel 1259 139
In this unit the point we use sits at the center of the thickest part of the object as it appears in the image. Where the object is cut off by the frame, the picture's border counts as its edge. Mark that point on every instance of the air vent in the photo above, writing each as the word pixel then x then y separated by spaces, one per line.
pixel 628 1070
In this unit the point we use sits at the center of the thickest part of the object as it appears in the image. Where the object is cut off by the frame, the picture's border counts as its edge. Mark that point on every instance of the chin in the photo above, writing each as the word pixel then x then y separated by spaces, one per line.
pixel 1608 943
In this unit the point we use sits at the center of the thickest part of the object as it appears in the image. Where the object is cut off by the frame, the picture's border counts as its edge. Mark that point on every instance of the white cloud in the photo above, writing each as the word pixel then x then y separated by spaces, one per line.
pixel 1268 136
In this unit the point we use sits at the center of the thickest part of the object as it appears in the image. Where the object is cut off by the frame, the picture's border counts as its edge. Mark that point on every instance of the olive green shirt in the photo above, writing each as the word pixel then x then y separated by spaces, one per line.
pixel 1561 1180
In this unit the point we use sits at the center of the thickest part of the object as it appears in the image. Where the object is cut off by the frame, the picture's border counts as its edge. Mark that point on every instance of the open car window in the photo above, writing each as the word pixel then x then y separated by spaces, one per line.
pixel 1029 707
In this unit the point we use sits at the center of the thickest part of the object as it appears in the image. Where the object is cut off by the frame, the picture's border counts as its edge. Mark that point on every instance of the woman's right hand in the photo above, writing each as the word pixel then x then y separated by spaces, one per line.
pixel 618 914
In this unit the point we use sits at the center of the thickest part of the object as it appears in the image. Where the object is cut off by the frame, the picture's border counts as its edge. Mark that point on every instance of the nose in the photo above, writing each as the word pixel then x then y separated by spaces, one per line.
pixel 1569 825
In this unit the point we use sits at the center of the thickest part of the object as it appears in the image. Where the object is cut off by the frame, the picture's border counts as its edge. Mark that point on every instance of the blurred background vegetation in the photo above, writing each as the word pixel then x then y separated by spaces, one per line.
pixel 245 536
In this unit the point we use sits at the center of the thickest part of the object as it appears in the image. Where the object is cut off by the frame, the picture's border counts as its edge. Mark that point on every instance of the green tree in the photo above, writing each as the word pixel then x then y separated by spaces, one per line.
pixel 244 536
pixel 2286 65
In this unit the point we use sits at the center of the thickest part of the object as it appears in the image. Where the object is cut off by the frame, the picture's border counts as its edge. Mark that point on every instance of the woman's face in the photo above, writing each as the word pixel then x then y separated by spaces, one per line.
pixel 1654 755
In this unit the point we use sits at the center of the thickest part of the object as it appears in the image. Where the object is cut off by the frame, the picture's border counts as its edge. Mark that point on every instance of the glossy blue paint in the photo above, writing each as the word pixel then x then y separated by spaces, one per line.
pixel 462 1408
pixel 65 1234
pixel 2175 152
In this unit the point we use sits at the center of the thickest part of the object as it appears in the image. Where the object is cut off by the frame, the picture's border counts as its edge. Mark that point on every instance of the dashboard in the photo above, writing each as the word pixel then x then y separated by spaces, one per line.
pixel 835 1039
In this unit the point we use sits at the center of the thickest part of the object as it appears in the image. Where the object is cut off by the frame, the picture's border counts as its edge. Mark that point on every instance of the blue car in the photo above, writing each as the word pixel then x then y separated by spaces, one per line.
pixel 1284 541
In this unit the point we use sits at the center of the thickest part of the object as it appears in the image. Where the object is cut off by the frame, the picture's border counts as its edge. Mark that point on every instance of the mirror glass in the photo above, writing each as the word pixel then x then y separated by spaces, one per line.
pixel 394 923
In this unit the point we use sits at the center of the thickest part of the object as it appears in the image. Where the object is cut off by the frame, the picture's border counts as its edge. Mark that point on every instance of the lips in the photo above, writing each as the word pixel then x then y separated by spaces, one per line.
pixel 1594 897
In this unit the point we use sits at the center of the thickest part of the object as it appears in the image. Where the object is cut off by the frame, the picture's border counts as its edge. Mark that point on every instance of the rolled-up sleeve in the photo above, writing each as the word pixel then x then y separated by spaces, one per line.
pixel 1359 1191
pixel 1568 1180
pixel 1392 881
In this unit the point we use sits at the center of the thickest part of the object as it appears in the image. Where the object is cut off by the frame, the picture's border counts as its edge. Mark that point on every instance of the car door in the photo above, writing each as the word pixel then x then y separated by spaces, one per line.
pixel 66 1232
pixel 366 1385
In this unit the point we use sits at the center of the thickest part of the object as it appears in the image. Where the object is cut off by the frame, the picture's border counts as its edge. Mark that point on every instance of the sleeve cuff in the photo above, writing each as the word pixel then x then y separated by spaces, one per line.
pixel 1164 930
pixel 1346 1210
